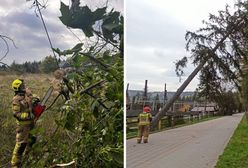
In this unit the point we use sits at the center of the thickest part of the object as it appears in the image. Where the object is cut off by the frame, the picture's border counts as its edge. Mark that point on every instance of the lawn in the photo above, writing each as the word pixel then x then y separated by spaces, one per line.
pixel 236 152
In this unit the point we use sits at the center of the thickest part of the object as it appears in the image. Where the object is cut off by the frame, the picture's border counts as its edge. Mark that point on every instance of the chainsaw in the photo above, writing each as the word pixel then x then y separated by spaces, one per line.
pixel 39 106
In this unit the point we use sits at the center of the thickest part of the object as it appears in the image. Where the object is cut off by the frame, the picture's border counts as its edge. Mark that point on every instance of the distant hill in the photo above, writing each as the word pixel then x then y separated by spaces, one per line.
pixel 152 95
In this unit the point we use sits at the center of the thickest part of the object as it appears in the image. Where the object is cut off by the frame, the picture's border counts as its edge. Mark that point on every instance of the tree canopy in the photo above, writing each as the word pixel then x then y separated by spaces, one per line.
pixel 89 124
pixel 218 50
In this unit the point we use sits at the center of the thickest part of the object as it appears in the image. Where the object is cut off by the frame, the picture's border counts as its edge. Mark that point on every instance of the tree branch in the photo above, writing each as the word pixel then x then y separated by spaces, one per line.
pixel 64 164
pixel 7 45
pixel 92 86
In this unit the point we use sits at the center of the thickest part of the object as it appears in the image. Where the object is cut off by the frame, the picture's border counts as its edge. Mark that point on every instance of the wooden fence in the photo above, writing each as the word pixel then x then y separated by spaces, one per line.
pixel 171 119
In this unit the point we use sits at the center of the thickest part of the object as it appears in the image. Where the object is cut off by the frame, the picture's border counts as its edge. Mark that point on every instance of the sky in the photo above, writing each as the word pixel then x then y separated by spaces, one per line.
pixel 20 23
pixel 155 33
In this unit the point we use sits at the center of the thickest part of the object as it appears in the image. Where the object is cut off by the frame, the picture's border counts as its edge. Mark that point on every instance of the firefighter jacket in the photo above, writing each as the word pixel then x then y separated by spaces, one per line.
pixel 22 110
pixel 144 119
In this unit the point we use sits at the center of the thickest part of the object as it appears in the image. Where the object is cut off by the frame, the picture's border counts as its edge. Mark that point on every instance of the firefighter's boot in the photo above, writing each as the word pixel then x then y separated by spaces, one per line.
pixel 17 154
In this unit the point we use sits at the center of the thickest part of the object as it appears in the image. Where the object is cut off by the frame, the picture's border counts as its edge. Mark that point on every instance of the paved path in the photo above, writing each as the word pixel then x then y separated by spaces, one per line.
pixel 193 146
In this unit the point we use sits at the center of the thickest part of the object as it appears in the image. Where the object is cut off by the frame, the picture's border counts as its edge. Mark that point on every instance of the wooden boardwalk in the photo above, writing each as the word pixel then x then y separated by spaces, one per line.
pixel 193 146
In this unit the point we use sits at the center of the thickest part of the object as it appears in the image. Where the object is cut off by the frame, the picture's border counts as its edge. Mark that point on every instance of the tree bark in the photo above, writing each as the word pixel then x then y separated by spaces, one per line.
pixel 161 113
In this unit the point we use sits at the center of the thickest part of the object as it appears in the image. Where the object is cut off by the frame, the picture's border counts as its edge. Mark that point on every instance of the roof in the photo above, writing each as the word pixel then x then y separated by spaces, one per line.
pixel 135 113
pixel 202 109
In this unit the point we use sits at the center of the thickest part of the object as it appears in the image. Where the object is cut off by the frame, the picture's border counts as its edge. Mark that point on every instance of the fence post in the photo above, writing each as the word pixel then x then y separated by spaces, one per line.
pixel 169 121
pixel 191 117
pixel 159 124
pixel 172 121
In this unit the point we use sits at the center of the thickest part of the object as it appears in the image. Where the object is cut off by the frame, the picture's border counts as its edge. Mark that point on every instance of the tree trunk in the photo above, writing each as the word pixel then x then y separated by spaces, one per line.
pixel 161 113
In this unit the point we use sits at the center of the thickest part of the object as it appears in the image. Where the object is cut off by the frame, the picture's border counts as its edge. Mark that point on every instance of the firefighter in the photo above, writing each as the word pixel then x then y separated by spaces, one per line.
pixel 59 83
pixel 22 111
pixel 58 80
pixel 144 120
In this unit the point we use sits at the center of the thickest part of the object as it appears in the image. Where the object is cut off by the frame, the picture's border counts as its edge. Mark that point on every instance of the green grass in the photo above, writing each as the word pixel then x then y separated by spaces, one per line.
pixel 236 152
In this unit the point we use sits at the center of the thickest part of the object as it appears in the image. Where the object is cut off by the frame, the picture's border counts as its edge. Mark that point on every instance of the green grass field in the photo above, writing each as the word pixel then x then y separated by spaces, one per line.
pixel 236 152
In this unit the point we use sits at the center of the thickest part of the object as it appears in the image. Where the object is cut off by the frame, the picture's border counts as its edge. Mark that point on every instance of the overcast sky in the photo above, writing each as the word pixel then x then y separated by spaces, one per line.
pixel 155 33
pixel 19 22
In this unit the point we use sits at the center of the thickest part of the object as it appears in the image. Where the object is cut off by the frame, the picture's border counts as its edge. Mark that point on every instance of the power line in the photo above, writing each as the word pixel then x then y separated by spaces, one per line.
pixel 44 25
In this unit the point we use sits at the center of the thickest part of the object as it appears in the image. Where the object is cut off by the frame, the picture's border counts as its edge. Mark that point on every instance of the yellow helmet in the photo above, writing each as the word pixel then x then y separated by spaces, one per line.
pixel 17 85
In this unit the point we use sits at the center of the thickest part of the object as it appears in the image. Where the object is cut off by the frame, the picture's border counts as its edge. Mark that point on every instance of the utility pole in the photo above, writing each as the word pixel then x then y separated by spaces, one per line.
pixel 145 91
pixel 165 93
pixel 127 95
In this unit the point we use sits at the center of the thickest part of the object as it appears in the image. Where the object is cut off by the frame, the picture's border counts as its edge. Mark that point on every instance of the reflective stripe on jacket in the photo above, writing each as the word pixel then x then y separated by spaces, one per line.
pixel 145 118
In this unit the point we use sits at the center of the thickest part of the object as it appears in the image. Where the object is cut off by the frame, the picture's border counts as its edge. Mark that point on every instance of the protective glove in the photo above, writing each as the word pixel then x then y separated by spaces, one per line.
pixel 32 116
pixel 35 101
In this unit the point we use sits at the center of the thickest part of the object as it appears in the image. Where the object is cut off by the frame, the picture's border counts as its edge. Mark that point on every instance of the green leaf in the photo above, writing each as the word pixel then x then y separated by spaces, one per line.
pixel 57 50
pixel 37 130
pixel 99 13
pixel 117 155
pixel 111 26
pixel 88 31
pixel 67 52
pixel 65 12
pixel 78 60
pixel 77 47
pixel 111 22
pixel 95 109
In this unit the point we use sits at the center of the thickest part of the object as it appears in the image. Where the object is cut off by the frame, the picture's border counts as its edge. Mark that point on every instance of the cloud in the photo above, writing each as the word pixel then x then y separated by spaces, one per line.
pixel 20 23
pixel 22 19
pixel 155 33
pixel 9 5
pixel 153 64
pixel 26 31
pixel 150 27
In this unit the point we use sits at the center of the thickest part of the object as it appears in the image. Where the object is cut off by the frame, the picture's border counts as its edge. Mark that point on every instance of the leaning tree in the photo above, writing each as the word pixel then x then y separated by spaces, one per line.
pixel 217 50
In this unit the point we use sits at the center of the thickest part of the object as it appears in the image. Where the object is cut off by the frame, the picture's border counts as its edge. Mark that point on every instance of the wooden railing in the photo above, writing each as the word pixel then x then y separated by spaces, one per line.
pixel 170 120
